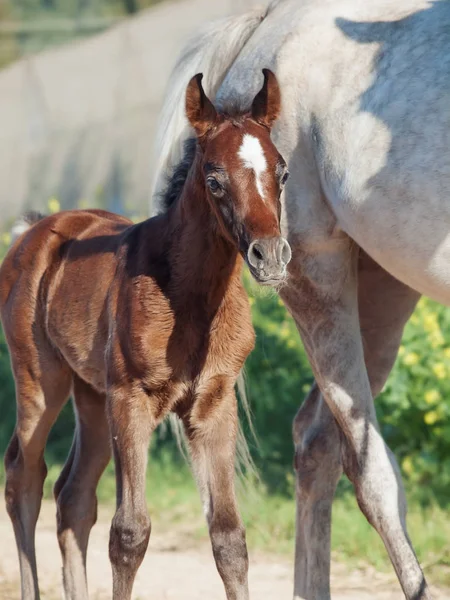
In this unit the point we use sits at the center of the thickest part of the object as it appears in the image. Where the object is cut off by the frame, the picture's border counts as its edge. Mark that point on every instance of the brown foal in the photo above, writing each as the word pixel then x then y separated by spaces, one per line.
pixel 137 321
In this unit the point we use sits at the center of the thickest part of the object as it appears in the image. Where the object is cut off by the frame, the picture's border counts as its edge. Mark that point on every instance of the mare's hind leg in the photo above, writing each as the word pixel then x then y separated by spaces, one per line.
pixel 40 397
pixel 384 307
pixel 75 490
pixel 212 441
pixel 318 467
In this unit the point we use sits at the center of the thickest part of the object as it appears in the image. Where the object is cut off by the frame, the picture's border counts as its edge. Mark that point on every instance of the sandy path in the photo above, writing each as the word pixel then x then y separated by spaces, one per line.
pixel 176 566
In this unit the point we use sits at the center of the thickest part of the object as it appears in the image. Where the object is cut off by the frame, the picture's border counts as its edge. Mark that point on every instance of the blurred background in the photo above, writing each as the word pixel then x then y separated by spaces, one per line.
pixel 81 85
pixel 80 90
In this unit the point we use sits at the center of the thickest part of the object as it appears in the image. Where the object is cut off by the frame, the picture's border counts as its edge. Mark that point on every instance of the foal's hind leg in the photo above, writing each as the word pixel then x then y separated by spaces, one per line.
pixel 76 486
pixel 40 397
pixel 212 441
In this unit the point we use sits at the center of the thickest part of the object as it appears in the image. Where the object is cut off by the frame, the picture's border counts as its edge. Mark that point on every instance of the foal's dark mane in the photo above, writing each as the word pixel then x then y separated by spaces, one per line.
pixel 177 179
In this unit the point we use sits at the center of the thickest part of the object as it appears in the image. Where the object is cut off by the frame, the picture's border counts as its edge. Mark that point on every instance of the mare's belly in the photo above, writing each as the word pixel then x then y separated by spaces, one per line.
pixel 412 243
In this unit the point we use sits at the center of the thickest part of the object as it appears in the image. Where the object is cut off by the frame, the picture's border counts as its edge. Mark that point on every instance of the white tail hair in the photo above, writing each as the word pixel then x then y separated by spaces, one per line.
pixel 23 223
pixel 245 467
pixel 212 51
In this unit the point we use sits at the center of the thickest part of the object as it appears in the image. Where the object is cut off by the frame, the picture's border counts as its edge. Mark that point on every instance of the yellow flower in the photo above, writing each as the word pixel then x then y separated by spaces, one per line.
pixel 431 417
pixel 430 322
pixel 436 338
pixel 432 396
pixel 422 303
pixel 53 205
pixel 284 330
pixel 407 465
pixel 272 328
pixel 6 238
pixel 412 358
pixel 439 370
pixel 291 343
pixel 252 301
pixel 447 353
pixel 401 351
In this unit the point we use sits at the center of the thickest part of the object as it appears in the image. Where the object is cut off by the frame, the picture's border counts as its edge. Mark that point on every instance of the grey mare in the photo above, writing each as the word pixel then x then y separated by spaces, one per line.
pixel 365 129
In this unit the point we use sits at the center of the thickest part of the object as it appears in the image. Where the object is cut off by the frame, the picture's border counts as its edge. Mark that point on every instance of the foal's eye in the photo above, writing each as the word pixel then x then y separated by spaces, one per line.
pixel 213 185
pixel 285 178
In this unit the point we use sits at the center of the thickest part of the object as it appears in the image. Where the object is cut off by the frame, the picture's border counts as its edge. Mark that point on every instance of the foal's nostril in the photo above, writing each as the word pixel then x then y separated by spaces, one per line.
pixel 270 255
pixel 285 253
pixel 255 254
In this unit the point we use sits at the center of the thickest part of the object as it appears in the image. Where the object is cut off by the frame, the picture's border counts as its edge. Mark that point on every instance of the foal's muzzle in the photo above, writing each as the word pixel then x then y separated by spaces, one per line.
pixel 268 259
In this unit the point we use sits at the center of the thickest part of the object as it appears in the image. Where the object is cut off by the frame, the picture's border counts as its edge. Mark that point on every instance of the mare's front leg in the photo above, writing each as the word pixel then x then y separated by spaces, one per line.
pixel 385 305
pixel 131 424
pixel 211 428
pixel 323 297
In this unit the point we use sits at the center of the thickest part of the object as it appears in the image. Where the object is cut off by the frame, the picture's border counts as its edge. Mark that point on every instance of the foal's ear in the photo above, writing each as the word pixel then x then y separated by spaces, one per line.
pixel 266 106
pixel 200 110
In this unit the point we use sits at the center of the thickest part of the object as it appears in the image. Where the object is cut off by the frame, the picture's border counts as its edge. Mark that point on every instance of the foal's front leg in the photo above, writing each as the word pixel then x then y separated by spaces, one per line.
pixel 212 441
pixel 131 425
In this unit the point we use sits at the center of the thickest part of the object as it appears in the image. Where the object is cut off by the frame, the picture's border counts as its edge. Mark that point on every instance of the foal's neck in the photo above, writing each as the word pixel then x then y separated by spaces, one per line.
pixel 204 262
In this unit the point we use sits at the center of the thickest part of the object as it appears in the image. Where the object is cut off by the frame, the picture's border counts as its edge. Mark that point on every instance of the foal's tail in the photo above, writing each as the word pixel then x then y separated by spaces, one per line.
pixel 212 51
pixel 245 467
pixel 245 464
pixel 25 222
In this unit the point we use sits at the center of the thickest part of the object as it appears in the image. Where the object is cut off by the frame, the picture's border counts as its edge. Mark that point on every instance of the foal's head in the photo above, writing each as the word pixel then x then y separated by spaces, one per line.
pixel 244 175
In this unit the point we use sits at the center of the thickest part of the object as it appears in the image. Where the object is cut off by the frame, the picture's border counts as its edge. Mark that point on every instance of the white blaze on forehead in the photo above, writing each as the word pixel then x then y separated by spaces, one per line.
pixel 252 155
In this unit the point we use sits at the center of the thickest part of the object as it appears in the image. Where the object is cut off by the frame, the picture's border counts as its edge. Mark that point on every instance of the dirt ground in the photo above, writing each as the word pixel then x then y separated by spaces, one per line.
pixel 176 565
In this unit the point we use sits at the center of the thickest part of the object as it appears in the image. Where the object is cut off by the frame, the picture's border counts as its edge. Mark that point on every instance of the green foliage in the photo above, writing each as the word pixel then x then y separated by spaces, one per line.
pixel 7 402
pixel 413 410
pixel 414 407
pixel 278 377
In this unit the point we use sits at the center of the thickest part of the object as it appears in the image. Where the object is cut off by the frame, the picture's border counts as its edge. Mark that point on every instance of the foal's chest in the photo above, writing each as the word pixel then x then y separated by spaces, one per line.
pixel 174 343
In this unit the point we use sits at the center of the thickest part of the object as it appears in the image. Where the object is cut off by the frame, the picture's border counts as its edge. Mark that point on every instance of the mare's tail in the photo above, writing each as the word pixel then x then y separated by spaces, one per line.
pixel 23 223
pixel 212 51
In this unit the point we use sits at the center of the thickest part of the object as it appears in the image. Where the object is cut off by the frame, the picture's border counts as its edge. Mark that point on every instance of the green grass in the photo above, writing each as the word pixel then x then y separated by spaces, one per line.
pixel 270 522
pixel 270 519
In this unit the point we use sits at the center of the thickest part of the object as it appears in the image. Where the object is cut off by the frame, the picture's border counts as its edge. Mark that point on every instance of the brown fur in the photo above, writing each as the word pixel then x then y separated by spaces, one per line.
pixel 143 320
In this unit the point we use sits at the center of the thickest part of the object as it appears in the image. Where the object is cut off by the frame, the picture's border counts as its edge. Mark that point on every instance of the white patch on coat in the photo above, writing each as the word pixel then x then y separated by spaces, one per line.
pixel 252 155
